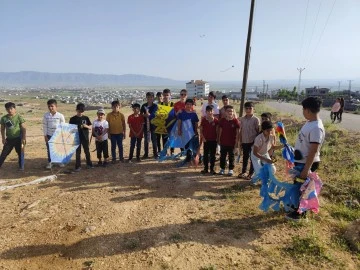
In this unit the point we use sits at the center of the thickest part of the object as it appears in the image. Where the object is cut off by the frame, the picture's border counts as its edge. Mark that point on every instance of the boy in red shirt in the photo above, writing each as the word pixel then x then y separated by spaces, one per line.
pixel 136 125
pixel 180 105
pixel 209 133
pixel 228 138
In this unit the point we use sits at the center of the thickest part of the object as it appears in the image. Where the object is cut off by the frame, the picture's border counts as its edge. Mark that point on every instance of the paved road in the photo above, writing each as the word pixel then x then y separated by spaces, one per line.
pixel 349 121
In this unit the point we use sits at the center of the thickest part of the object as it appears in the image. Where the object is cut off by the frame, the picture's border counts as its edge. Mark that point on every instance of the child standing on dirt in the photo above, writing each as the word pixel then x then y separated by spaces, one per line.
pixel 84 126
pixel 136 126
pixel 228 139
pixel 100 132
pixel 51 120
pixel 208 134
pixel 250 127
pixel 263 147
pixel 117 130
pixel 13 134
pixel 188 114
pixel 307 146
pixel 148 111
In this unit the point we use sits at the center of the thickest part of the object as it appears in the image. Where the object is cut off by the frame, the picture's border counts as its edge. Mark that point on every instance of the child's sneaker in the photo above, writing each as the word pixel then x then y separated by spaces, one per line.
pixel 212 172
pixel 130 161
pixel 100 163
pixel 231 173
pixel 296 217
pixel 138 159
pixel 90 166
pixel 204 171
pixel 222 172
pixel 77 169
pixel 49 166
pixel 105 164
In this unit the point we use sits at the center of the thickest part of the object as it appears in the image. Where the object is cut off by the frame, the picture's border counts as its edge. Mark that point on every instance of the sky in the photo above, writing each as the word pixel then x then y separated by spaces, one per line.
pixel 182 40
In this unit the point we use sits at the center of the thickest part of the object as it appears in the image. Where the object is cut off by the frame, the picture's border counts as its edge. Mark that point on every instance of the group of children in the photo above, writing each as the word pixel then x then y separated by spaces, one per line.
pixel 218 127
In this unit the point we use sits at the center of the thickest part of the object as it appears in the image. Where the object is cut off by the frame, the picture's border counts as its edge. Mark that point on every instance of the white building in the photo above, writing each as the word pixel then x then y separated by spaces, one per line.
pixel 198 88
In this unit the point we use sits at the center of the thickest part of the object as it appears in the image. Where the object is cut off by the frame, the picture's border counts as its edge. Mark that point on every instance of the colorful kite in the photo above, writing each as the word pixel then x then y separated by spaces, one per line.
pixel 288 151
pixel 159 120
pixel 188 141
pixel 63 143
pixel 274 192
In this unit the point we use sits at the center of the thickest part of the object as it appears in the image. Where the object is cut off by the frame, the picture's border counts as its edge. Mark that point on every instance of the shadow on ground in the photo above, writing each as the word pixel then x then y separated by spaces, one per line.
pixel 229 232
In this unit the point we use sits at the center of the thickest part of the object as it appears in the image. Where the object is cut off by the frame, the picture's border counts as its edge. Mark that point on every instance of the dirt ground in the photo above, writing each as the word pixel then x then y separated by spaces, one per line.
pixel 146 215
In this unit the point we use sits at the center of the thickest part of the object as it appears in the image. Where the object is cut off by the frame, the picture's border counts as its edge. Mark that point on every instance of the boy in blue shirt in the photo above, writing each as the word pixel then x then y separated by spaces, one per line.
pixel 188 114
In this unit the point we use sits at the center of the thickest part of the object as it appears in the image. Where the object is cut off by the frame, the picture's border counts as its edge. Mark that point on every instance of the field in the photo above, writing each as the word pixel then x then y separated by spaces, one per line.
pixel 153 215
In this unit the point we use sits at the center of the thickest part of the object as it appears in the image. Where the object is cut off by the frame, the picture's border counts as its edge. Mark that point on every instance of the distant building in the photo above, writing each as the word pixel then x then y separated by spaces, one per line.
pixel 248 95
pixel 317 92
pixel 197 88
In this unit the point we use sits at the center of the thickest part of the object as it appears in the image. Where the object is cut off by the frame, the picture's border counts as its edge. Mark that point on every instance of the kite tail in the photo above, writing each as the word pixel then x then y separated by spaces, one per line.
pixel 190 151
pixel 310 192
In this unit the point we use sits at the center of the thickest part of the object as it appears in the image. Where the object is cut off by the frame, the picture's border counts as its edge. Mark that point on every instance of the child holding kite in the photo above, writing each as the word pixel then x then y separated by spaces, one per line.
pixel 13 134
pixel 263 146
pixel 51 120
pixel 84 125
pixel 189 114
pixel 307 146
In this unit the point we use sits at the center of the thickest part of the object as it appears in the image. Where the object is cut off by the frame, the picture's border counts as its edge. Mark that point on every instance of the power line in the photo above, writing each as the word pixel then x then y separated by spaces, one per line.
pixel 302 36
pixel 312 33
pixel 322 33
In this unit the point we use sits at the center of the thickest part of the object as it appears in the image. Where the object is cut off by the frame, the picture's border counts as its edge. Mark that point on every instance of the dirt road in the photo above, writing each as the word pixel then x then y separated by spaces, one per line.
pixel 350 121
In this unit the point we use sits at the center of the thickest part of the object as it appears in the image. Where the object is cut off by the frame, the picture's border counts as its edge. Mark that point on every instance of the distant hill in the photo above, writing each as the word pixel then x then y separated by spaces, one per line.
pixel 33 78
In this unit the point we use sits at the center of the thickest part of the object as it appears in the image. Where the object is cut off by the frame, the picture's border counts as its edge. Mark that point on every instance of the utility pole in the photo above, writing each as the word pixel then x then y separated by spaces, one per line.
pixel 247 58
pixel 339 82
pixel 267 90
pixel 299 84
pixel 350 89
pixel 263 89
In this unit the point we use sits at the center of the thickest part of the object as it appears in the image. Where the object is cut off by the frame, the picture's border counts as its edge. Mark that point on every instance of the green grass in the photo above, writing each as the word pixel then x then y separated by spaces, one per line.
pixel 309 248
pixel 344 212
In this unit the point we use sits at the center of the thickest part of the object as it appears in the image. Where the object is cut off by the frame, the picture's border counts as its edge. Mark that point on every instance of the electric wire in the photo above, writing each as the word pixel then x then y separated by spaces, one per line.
pixel 312 33
pixel 303 32
pixel 322 33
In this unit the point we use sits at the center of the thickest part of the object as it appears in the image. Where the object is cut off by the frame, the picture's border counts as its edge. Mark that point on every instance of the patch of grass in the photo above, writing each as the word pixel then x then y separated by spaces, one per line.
pixel 339 241
pixel 343 212
pixel 308 248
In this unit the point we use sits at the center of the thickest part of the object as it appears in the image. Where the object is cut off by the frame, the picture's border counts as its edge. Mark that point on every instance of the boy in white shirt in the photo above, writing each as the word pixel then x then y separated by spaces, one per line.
pixel 100 132
pixel 51 120
pixel 307 147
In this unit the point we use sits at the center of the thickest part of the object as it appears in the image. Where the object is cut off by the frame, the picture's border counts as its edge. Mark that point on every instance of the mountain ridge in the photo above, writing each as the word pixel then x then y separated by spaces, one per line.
pixel 36 78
